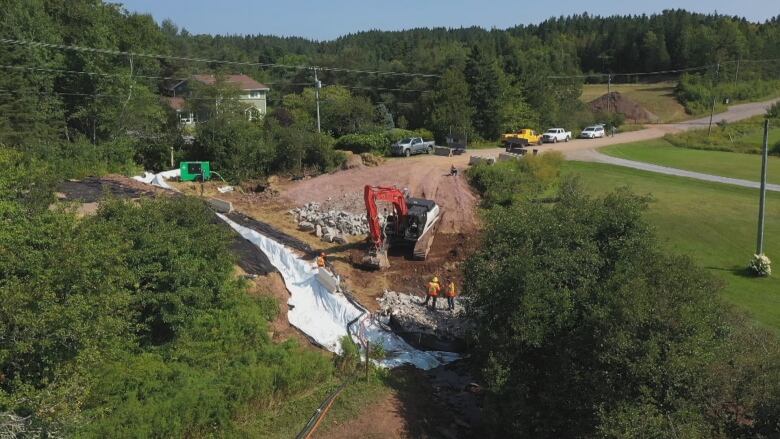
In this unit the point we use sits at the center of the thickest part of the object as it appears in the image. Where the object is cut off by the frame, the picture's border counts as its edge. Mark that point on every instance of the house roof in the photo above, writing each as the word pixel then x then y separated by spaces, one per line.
pixel 243 82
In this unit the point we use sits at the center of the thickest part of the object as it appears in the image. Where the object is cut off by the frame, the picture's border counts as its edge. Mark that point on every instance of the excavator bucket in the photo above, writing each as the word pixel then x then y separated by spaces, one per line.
pixel 376 260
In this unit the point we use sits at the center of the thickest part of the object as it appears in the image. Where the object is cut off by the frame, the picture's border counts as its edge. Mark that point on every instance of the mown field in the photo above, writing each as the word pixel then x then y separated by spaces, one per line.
pixel 713 223
pixel 657 98
pixel 726 164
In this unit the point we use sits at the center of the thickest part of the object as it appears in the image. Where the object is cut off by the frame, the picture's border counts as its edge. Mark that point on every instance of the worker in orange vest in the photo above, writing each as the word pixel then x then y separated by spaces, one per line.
pixel 321 260
pixel 433 291
pixel 450 294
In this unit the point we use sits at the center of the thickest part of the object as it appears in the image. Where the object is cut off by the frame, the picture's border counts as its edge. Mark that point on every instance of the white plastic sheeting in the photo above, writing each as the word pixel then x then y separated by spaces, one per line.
pixel 324 316
pixel 158 179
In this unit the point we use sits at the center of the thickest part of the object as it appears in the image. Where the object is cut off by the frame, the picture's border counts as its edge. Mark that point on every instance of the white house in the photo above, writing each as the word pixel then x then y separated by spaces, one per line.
pixel 253 93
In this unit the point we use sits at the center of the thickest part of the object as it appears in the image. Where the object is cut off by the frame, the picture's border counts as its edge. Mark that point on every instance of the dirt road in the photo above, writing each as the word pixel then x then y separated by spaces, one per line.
pixel 425 176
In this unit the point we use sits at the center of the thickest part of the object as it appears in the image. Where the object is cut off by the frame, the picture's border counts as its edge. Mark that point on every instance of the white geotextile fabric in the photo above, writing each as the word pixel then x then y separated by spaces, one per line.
pixel 158 179
pixel 324 316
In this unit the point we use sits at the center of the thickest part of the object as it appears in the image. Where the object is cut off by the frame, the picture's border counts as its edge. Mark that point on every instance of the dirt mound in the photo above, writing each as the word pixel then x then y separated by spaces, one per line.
pixel 616 102
pixel 352 161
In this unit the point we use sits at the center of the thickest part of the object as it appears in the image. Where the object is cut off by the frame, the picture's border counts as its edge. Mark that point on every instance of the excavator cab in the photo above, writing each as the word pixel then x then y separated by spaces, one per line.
pixel 417 217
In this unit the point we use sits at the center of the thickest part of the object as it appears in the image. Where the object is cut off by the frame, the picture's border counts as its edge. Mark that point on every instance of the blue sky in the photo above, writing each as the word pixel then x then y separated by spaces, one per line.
pixel 325 19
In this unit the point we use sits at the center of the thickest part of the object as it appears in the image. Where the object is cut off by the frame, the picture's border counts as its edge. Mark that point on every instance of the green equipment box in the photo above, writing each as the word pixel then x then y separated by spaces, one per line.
pixel 193 171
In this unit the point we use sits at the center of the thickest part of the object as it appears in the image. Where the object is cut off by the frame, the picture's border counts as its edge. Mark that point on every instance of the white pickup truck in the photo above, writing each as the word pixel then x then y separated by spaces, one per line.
pixel 411 145
pixel 555 135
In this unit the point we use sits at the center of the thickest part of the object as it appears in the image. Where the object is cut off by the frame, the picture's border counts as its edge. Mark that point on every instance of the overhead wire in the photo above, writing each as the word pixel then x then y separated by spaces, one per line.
pixel 9 41
pixel 660 72
pixel 170 78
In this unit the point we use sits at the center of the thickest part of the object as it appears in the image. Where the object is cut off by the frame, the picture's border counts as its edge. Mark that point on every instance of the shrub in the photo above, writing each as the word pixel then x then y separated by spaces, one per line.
pixel 583 325
pixel 505 182
pixel 773 112
pixel 760 265
pixel 359 143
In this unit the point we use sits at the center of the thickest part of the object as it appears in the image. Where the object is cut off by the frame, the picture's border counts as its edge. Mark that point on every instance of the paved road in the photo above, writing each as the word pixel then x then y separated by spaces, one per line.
pixel 586 150
pixel 589 155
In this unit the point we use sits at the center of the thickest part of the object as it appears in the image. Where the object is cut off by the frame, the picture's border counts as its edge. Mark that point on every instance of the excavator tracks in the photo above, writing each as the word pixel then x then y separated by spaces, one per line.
pixel 424 243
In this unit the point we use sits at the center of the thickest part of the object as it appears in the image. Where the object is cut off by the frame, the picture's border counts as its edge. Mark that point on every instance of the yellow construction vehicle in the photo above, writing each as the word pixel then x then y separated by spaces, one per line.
pixel 521 138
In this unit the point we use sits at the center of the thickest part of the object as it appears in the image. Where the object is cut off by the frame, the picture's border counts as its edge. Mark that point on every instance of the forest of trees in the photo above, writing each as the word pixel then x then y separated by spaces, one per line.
pixel 466 81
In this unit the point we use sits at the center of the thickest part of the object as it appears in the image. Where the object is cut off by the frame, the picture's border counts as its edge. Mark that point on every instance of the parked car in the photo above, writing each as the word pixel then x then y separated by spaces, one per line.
pixel 411 145
pixel 592 132
pixel 555 135
pixel 520 138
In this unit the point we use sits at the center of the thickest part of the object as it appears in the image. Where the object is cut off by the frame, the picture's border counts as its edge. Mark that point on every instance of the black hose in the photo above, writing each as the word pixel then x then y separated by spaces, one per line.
pixel 308 429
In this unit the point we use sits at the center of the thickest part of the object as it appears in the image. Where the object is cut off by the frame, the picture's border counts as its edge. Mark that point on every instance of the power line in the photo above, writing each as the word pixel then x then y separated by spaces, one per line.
pixel 121 75
pixel 155 97
pixel 9 41
pixel 383 88
pixel 606 75
pixel 660 72
pixel 169 78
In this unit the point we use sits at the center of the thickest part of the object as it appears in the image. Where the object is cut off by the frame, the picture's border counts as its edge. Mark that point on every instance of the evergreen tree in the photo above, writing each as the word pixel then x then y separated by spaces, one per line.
pixel 483 76
pixel 452 109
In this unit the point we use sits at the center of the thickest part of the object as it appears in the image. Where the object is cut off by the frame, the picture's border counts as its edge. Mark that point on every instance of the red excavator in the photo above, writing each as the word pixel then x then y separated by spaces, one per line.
pixel 413 223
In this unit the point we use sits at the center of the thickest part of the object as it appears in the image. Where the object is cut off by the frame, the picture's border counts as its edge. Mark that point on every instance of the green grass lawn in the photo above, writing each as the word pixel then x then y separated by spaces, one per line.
pixel 657 98
pixel 745 136
pixel 713 223
pixel 726 164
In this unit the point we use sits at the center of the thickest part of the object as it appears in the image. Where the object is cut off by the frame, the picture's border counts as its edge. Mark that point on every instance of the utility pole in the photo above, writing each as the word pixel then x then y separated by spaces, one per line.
pixel 736 75
pixel 317 86
pixel 714 98
pixel 762 195
pixel 609 87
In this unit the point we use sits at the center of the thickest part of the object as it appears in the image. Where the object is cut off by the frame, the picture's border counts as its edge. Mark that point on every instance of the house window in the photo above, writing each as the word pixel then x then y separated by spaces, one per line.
pixel 254 94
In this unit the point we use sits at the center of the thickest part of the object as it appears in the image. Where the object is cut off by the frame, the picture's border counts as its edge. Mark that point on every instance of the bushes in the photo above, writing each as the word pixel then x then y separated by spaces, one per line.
pixel 142 330
pixel 378 143
pixel 359 143
pixel 505 182
pixel 586 329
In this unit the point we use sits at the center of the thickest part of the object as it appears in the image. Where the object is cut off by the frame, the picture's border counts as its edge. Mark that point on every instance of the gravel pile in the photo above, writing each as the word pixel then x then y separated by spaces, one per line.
pixel 407 312
pixel 330 225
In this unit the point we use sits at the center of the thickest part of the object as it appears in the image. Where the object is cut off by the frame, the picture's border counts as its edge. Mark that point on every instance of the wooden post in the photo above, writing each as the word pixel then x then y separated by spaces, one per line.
pixel 368 353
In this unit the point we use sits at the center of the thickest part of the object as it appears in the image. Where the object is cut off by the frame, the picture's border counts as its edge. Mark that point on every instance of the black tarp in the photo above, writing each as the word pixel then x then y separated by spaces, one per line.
pixel 92 189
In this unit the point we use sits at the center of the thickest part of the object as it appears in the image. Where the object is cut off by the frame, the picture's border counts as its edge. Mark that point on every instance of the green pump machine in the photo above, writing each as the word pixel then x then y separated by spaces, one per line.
pixel 195 171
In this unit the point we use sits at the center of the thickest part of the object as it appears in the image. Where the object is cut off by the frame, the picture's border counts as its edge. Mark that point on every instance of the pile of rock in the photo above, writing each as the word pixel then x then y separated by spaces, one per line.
pixel 331 225
pixel 407 315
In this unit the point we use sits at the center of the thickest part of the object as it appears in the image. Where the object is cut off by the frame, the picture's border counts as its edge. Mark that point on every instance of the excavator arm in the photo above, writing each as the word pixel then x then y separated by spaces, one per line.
pixel 372 194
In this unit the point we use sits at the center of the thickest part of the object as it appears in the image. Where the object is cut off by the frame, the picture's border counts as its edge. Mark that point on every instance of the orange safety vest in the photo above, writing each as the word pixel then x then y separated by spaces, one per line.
pixel 433 289
pixel 320 261
pixel 451 290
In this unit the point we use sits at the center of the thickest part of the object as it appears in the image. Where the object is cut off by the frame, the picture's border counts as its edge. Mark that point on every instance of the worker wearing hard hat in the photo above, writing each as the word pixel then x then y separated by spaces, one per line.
pixel 450 294
pixel 433 292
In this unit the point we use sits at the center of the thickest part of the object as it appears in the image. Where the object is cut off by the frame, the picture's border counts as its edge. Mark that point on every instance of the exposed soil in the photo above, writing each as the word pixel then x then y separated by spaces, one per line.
pixel 439 403
pixel 424 176
pixel 616 102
